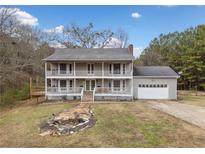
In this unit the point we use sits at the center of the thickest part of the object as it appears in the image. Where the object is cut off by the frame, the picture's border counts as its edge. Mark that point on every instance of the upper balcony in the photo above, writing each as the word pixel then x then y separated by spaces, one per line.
pixel 90 70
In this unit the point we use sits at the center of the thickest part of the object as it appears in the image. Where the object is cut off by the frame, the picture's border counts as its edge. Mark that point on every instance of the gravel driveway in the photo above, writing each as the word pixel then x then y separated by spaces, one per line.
pixel 190 113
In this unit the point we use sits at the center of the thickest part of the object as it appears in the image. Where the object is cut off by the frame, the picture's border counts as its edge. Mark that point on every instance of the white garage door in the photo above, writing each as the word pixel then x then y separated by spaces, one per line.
pixel 153 91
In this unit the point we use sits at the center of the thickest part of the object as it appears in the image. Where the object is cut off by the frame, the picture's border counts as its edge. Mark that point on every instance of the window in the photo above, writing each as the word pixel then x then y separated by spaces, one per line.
pixel 110 68
pixel 70 84
pixel 123 85
pixel 110 85
pixel 70 68
pixel 116 85
pixel 49 67
pixel 62 68
pixel 116 68
pixel 90 68
pixel 123 68
pixel 140 85
pixel 143 85
pixel 154 86
pixel 62 83
pixel 158 86
pixel 165 85
pixel 48 82
pixel 147 85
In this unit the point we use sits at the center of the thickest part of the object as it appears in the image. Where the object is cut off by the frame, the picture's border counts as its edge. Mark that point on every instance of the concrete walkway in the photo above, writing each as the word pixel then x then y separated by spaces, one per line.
pixel 189 113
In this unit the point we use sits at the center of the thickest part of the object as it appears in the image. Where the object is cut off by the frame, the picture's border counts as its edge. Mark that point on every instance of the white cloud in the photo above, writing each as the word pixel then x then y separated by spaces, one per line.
pixel 137 51
pixel 114 43
pixel 136 15
pixel 55 44
pixel 58 29
pixel 23 17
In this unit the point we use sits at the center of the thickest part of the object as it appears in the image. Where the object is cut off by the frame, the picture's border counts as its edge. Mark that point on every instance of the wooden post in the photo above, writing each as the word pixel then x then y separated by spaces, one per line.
pixel 30 88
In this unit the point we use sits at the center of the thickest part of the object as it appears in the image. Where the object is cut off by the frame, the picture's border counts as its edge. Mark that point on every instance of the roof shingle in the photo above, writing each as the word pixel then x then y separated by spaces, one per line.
pixel 90 54
pixel 154 71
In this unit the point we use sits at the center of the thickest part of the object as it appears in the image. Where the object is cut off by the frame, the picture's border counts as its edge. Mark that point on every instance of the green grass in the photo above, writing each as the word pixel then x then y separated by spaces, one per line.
pixel 118 125
pixel 10 97
pixel 192 100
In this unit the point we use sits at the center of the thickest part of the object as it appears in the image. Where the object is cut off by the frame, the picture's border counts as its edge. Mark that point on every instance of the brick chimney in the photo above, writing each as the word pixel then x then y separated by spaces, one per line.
pixel 130 49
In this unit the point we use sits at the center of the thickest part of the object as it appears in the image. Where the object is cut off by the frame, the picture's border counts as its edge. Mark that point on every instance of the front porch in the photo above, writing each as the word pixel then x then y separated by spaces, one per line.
pixel 101 89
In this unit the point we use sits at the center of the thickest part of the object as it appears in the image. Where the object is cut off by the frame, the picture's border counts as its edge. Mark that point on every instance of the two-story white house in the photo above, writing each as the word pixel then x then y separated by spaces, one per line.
pixel 104 73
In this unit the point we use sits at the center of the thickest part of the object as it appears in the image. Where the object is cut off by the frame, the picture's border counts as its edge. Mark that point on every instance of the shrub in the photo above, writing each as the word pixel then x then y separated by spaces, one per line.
pixel 9 97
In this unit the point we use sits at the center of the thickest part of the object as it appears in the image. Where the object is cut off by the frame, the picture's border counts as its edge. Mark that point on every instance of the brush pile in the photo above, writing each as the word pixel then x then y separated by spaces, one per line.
pixel 68 121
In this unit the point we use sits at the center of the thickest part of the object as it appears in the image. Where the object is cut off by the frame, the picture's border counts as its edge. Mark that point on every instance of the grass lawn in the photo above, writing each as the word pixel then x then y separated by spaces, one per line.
pixel 192 99
pixel 118 125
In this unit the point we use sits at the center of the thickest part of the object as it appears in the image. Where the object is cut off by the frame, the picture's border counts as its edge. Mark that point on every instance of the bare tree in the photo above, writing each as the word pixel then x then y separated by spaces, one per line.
pixel 86 37
pixel 122 37
pixel 21 51
pixel 7 20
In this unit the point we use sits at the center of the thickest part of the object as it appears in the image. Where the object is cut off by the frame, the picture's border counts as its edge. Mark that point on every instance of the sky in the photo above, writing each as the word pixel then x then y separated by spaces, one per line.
pixel 142 23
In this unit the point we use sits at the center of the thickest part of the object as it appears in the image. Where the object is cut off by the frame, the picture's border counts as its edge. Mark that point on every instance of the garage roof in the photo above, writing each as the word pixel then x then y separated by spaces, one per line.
pixel 90 54
pixel 161 71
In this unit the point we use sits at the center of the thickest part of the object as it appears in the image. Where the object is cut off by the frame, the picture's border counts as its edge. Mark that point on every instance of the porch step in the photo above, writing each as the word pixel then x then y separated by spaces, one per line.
pixel 87 96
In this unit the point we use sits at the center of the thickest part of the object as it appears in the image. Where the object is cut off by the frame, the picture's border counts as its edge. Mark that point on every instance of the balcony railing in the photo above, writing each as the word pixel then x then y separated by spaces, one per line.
pixel 87 73
pixel 59 73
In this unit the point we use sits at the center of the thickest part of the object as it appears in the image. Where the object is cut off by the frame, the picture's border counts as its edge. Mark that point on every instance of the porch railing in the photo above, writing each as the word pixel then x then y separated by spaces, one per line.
pixel 64 90
pixel 113 90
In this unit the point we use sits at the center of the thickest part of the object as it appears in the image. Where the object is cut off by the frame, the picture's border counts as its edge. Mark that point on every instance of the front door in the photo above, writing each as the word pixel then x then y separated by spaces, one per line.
pixel 89 85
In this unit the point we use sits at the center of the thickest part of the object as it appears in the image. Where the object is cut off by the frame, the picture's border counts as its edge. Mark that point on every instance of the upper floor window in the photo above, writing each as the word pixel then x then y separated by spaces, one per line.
pixel 62 68
pixel 110 68
pixel 116 68
pixel 123 68
pixel 70 68
pixel 48 66
pixel 90 68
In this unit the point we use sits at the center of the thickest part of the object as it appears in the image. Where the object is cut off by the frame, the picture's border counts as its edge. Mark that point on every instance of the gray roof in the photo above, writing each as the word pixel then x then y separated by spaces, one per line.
pixel 154 71
pixel 90 54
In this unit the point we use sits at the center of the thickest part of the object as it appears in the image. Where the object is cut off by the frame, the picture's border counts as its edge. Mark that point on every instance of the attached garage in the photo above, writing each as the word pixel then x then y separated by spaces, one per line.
pixel 154 82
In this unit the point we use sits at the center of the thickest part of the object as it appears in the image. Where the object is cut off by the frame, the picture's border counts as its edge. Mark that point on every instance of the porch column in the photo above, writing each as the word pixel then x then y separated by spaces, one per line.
pixel 103 69
pixel 51 82
pixel 51 65
pixel 103 76
pixel 132 80
pixel 58 68
pixel 74 68
pixel 74 84
pixel 45 79
pixel 58 85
